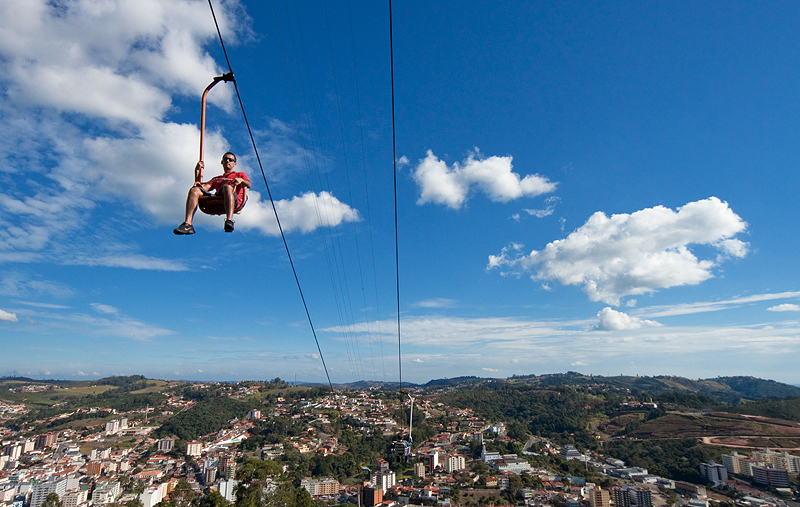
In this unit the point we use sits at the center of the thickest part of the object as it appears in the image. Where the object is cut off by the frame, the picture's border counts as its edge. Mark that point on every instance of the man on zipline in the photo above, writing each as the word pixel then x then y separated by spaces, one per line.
pixel 230 186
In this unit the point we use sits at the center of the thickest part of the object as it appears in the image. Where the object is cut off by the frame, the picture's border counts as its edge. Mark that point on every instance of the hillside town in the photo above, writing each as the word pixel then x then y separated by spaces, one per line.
pixel 121 462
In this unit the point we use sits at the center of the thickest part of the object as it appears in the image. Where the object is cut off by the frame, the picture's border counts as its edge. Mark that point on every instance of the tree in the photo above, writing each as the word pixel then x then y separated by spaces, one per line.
pixel 258 470
pixel 302 498
pixel 183 494
pixel 52 500
pixel 214 499
pixel 134 502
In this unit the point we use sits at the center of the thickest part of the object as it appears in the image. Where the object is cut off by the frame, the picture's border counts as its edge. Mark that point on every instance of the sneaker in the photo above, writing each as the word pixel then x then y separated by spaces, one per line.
pixel 184 228
pixel 228 226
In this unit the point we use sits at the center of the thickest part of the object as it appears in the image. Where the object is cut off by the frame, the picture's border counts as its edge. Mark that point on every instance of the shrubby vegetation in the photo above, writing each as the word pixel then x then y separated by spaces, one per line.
pixel 675 458
pixel 209 414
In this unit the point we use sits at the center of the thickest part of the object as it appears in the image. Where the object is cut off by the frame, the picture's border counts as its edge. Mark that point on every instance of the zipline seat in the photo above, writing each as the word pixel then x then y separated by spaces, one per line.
pixel 215 204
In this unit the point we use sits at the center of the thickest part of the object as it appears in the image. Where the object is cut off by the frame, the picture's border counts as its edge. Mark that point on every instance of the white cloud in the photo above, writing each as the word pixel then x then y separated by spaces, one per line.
pixel 712 306
pixel 622 255
pixel 43 305
pixel 786 307
pixel 17 284
pixel 436 303
pixel 547 211
pixel 440 184
pixel 612 320
pixel 8 317
pixel 106 309
pixel 490 369
pixel 304 213
pixel 577 363
pixel 451 347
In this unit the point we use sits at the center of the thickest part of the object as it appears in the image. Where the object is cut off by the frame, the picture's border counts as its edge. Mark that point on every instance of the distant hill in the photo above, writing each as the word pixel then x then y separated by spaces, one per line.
pixel 722 389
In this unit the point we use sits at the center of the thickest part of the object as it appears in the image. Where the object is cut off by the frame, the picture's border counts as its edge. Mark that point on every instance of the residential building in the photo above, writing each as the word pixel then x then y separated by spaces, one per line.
pixel 100 453
pixel 569 452
pixel 713 472
pixel 453 463
pixel 75 498
pixel 371 497
pixel 13 452
pixel 731 462
pixel 512 465
pixel 769 475
pixel 194 448
pixel 621 497
pixel 688 487
pixel 644 497
pixel 165 444
pixel 599 497
pixel 783 460
pixel 321 487
pixel 419 470
pixel 105 492
pixel 46 440
pixel 94 468
pixel 42 489
pixel 227 488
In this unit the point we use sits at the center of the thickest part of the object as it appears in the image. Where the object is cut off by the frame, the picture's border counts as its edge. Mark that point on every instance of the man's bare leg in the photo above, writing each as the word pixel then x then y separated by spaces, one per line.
pixel 230 205
pixel 191 203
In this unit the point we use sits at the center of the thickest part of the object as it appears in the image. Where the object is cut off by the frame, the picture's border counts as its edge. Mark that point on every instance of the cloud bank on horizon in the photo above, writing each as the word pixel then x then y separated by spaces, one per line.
pixel 633 254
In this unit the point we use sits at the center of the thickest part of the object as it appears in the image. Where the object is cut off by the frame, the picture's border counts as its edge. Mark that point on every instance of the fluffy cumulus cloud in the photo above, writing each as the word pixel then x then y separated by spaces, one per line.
pixel 301 213
pixel 786 307
pixel 451 186
pixel 638 253
pixel 89 87
pixel 8 316
pixel 612 320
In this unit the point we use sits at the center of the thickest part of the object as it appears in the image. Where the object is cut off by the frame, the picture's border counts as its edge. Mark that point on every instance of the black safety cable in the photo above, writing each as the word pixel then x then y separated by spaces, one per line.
pixel 394 165
pixel 274 209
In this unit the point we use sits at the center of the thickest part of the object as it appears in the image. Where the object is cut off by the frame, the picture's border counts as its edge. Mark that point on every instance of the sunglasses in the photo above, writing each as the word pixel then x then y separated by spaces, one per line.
pixel 229 159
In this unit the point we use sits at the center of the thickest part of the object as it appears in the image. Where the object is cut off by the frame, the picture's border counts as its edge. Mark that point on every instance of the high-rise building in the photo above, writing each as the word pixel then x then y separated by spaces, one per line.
pixel 621 497
pixel 453 463
pixel 194 448
pixel 599 497
pixel 713 472
pixel 419 470
pixel 731 462
pixel 782 460
pixel 371 496
pixel 644 497
pixel 41 490
pixel 769 475
pixel 46 440
pixel 165 444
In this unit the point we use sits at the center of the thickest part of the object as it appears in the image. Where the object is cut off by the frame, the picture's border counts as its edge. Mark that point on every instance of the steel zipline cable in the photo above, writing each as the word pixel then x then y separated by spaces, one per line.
pixel 394 166
pixel 272 202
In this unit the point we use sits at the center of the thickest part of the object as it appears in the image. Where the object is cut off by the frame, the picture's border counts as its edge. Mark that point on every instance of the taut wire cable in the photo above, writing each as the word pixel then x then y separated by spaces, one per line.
pixel 394 166
pixel 274 209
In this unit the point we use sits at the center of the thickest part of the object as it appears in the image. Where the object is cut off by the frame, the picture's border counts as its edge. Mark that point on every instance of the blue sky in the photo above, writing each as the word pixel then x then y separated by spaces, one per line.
pixel 608 189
